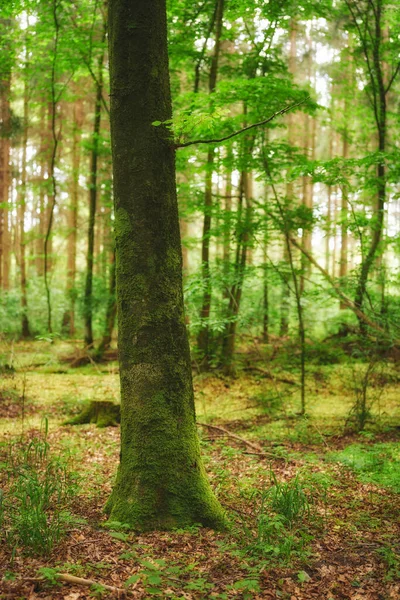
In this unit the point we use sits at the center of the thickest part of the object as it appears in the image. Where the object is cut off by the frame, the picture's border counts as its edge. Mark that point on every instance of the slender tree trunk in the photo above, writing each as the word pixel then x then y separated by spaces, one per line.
pixel 44 147
pixel 335 237
pixel 308 187
pixel 5 180
pixel 182 182
pixel 52 163
pixel 72 218
pixel 380 112
pixel 203 340
pixel 25 330
pixel 243 226
pixel 265 330
pixel 285 296
pixel 111 314
pixel 88 297
pixel 161 482
pixel 343 216
pixel 329 194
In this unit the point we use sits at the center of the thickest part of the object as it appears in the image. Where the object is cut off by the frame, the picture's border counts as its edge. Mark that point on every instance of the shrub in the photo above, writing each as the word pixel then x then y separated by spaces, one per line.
pixel 33 513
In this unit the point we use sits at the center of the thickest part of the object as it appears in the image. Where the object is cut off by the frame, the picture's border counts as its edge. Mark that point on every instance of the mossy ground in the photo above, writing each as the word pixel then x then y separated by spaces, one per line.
pixel 343 545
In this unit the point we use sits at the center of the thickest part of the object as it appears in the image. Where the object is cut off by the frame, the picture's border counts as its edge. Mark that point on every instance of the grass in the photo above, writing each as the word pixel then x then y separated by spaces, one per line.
pixel 284 527
pixel 377 463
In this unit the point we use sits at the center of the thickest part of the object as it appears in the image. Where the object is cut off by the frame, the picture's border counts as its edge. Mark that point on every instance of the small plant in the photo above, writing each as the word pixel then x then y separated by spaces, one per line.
pixel 289 500
pixel 32 509
pixel 365 394
pixel 280 530
pixel 391 558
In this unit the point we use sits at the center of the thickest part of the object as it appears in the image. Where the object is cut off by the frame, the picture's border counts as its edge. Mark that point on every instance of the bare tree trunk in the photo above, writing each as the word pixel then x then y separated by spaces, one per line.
pixel 203 337
pixel 68 323
pixel 111 314
pixel 285 296
pixel 5 180
pixel 88 297
pixel 308 187
pixel 343 215
pixel 25 330
pixel 41 226
pixel 243 226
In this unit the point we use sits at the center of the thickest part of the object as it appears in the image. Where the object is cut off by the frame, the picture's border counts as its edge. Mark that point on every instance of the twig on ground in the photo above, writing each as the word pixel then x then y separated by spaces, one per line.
pixel 259 450
pixel 81 581
pixel 269 375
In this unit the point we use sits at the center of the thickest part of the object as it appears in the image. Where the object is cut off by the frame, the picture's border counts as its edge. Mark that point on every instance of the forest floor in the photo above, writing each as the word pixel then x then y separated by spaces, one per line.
pixel 313 507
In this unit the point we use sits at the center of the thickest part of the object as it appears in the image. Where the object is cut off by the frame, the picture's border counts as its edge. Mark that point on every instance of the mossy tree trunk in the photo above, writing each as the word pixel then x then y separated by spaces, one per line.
pixel 161 482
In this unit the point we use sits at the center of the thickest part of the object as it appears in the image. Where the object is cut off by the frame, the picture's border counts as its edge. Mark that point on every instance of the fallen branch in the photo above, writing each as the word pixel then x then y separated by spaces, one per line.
pixel 81 581
pixel 269 375
pixel 258 449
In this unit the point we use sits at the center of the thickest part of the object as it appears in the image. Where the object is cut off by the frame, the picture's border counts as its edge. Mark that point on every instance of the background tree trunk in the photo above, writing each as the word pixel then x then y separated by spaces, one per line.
pixel 88 297
pixel 72 218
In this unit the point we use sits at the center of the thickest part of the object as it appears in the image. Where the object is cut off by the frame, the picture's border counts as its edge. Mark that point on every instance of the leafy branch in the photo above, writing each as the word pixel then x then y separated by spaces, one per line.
pixel 244 129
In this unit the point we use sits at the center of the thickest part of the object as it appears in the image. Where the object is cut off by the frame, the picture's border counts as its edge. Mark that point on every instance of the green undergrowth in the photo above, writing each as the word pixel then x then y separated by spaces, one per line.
pixel 37 486
pixel 378 463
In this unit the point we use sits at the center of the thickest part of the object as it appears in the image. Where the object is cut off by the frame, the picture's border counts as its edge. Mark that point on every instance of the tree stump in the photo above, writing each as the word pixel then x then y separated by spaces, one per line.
pixel 102 413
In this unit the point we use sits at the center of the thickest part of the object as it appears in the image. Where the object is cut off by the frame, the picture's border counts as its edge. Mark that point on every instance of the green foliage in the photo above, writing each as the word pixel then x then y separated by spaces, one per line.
pixel 289 500
pixel 391 558
pixel 283 519
pixel 33 511
pixel 49 574
pixel 377 463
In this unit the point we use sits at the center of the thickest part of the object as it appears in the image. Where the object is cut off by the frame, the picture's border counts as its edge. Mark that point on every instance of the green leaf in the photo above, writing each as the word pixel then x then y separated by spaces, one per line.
pixel 156 123
pixel 119 536
pixel 303 577
pixel 132 580
pixel 154 591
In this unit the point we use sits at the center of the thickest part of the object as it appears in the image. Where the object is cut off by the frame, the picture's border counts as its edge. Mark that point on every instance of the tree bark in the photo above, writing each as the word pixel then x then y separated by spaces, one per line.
pixel 111 314
pixel 203 340
pixel 343 216
pixel 72 219
pixel 5 180
pixel 243 227
pixel 25 330
pixel 88 296
pixel 161 482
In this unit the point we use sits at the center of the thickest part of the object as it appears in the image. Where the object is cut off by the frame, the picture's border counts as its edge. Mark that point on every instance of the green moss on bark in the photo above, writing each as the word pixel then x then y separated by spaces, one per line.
pixel 103 414
pixel 161 482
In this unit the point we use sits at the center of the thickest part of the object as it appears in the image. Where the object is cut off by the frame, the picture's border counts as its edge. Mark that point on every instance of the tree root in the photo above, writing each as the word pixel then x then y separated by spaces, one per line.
pixel 102 413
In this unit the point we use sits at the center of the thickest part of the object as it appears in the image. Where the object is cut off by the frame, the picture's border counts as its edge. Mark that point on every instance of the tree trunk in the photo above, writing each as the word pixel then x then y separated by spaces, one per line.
pixel 5 180
pixel 25 330
pixel 285 293
pixel 265 329
pixel 41 226
pixel 203 340
pixel 161 482
pixel 228 346
pixel 111 314
pixel 308 187
pixel 373 52
pixel 343 216
pixel 72 218
pixel 88 296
